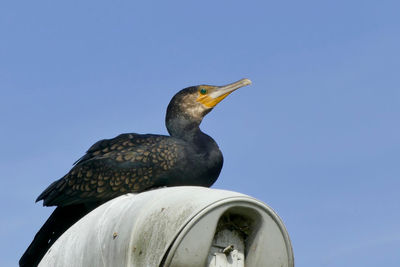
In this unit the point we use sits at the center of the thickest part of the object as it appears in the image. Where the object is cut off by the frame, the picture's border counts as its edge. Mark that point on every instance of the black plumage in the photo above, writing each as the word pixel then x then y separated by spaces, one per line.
pixel 135 163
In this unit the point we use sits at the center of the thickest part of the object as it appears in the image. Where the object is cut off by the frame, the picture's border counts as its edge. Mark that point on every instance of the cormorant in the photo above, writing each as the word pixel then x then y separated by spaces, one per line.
pixel 135 163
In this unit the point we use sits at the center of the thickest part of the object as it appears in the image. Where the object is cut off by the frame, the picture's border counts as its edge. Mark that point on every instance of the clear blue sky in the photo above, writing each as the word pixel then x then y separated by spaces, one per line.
pixel 317 135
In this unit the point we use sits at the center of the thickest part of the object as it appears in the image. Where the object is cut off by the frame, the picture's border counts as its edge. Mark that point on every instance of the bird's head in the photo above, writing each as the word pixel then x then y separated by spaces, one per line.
pixel 189 106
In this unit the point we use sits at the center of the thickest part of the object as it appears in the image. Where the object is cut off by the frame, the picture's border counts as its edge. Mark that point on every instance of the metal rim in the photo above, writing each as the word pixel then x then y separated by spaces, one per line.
pixel 186 227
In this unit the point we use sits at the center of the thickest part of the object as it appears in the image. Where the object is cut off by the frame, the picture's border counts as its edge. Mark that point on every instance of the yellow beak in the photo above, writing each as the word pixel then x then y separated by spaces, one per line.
pixel 218 93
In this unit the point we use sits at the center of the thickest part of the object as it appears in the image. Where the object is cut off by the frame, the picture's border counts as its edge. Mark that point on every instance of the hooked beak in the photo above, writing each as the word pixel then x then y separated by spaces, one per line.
pixel 220 92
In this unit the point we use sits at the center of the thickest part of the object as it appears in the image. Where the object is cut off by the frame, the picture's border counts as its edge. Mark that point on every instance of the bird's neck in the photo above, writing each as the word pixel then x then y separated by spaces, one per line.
pixel 204 149
pixel 184 129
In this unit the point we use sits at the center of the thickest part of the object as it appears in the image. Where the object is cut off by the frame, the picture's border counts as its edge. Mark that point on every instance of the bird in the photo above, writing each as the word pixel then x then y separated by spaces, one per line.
pixel 133 163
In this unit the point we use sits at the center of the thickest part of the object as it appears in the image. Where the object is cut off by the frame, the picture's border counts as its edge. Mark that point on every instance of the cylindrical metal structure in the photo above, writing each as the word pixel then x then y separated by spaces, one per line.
pixel 176 226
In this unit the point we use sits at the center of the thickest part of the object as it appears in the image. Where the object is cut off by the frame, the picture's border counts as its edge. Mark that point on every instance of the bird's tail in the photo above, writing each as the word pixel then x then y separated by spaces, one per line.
pixel 59 221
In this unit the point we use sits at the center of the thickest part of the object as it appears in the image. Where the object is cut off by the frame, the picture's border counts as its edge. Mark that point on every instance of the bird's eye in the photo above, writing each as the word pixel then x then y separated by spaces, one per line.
pixel 203 91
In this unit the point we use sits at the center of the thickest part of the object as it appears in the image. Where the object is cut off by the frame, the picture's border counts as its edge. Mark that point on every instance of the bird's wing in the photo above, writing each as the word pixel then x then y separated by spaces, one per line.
pixel 106 145
pixel 121 167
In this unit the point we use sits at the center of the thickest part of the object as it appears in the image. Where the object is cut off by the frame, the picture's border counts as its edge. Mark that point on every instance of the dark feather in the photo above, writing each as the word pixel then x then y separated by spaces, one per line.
pixel 59 221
